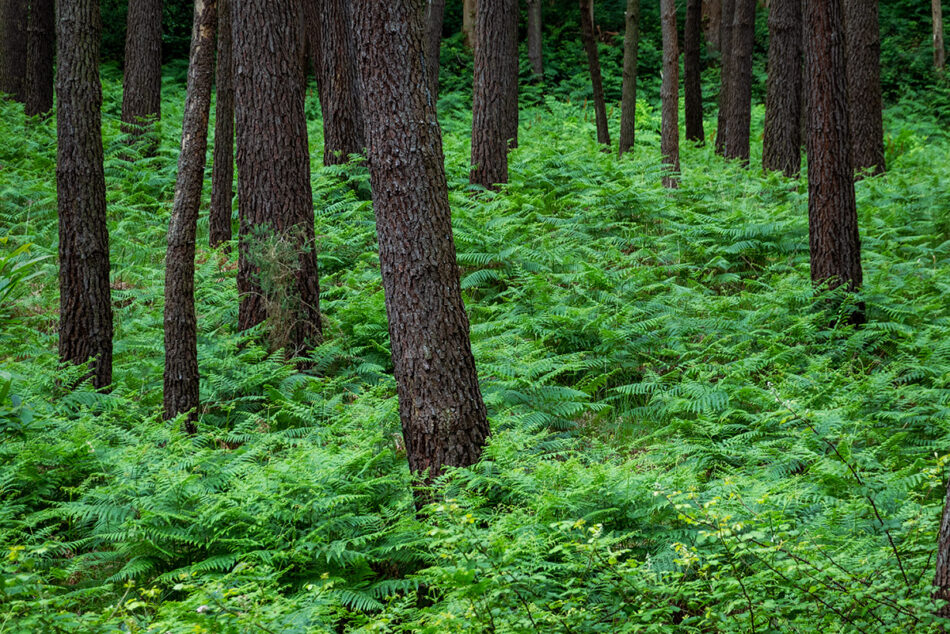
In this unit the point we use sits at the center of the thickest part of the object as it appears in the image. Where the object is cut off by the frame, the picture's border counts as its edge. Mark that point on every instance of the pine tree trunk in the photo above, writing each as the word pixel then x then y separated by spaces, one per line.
pixel 669 92
pixel 693 88
pixel 628 100
pixel 434 16
pixel 41 51
pixel 222 174
pixel 739 109
pixel 712 21
pixel 339 91
pixel 443 416
pixel 13 48
pixel 312 29
pixel 273 162
pixel 469 11
pixel 181 326
pixel 781 145
pixel 593 64
pixel 494 89
pixel 725 48
pixel 863 45
pixel 85 303
pixel 942 577
pixel 940 53
pixel 832 215
pixel 142 86
pixel 534 39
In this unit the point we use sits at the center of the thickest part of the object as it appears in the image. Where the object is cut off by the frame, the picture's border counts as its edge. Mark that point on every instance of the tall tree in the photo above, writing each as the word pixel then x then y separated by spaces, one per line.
pixel 781 144
pixel 273 162
pixel 712 22
pixel 834 244
pixel 940 53
pixel 628 101
pixel 443 416
pixel 863 45
pixel 85 301
pixel 693 88
pixel 942 576
pixel 669 92
pixel 534 38
pixel 339 89
pixel 739 104
pixel 222 175
pixel 494 90
pixel 40 54
pixel 725 75
pixel 142 86
pixel 593 63
pixel 434 17
pixel 469 10
pixel 13 21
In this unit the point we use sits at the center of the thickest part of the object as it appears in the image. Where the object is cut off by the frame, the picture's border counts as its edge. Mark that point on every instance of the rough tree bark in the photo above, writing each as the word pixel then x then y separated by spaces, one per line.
pixel 693 89
pixel 85 302
pixel 712 22
pixel 13 21
pixel 443 416
pixel 628 100
pixel 534 38
pixel 40 54
pixel 669 92
pixel 434 15
pixel 782 142
pixel 863 45
pixel 273 162
pixel 222 174
pixel 940 53
pixel 339 90
pixel 494 90
pixel 739 105
pixel 469 10
pixel 593 63
pixel 725 56
pixel 181 326
pixel 142 86
pixel 942 577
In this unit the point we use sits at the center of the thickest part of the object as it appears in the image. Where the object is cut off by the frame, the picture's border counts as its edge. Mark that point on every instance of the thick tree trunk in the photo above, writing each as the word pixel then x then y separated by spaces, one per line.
pixel 181 326
pixel 669 92
pixel 782 142
pixel 863 45
pixel 41 51
pixel 534 38
pixel 739 110
pixel 942 578
pixel 725 48
pixel 222 174
pixel 712 20
pixel 628 100
pixel 832 216
pixel 434 15
pixel 273 162
pixel 593 63
pixel 940 53
pixel 339 90
pixel 440 404
pixel 13 48
pixel 142 86
pixel 494 91
pixel 469 10
pixel 85 303
pixel 693 88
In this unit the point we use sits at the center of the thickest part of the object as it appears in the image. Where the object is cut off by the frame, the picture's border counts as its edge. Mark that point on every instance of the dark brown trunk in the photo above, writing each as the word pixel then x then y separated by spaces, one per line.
pixel 339 90
pixel 712 21
pixel 494 90
pixel 669 92
pixel 41 51
pixel 693 88
pixel 864 84
pixel 312 29
pixel 628 100
pixel 725 48
pixel 832 216
pixel 273 161
pixel 85 303
pixel 13 48
pixel 222 174
pixel 443 416
pixel 534 38
pixel 593 64
pixel 942 578
pixel 739 109
pixel 940 53
pixel 782 141
pixel 142 87
pixel 434 15
pixel 181 326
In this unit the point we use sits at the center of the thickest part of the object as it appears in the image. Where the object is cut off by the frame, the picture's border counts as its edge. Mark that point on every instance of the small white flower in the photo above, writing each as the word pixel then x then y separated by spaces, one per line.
pixel 202 609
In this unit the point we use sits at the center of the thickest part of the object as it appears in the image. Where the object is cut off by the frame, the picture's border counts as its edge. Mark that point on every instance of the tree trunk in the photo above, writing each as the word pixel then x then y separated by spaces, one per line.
pixel 273 161
pixel 40 55
pixel 942 578
pixel 85 302
pixel 940 55
pixel 443 416
pixel 142 86
pixel 469 11
pixel 725 56
pixel 181 326
pixel 739 110
pixel 339 90
pixel 494 90
pixel 593 63
pixel 222 174
pixel 312 29
pixel 691 63
pixel 669 92
pixel 434 16
pixel 832 216
pixel 781 145
pixel 534 39
pixel 628 101
pixel 863 45
pixel 13 51
pixel 712 21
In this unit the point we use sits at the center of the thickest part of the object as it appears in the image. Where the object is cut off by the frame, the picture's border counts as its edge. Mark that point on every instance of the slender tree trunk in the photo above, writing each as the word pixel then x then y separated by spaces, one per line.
pixel 942 577
pixel 469 10
pixel 339 90
pixel 863 42
pixel 142 87
pixel 222 175
pixel 628 101
pixel 443 416
pixel 712 20
pixel 940 54
pixel 693 87
pixel 725 48
pixel 832 216
pixel 41 51
pixel 13 48
pixel 181 325
pixel 593 63
pixel 534 38
pixel 495 88
pixel 434 15
pixel 312 29
pixel 739 109
pixel 273 162
pixel 85 302
pixel 669 92
pixel 782 142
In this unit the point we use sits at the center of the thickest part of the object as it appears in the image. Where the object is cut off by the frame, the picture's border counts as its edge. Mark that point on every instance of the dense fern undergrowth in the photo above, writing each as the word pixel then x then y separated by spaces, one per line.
pixel 686 435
